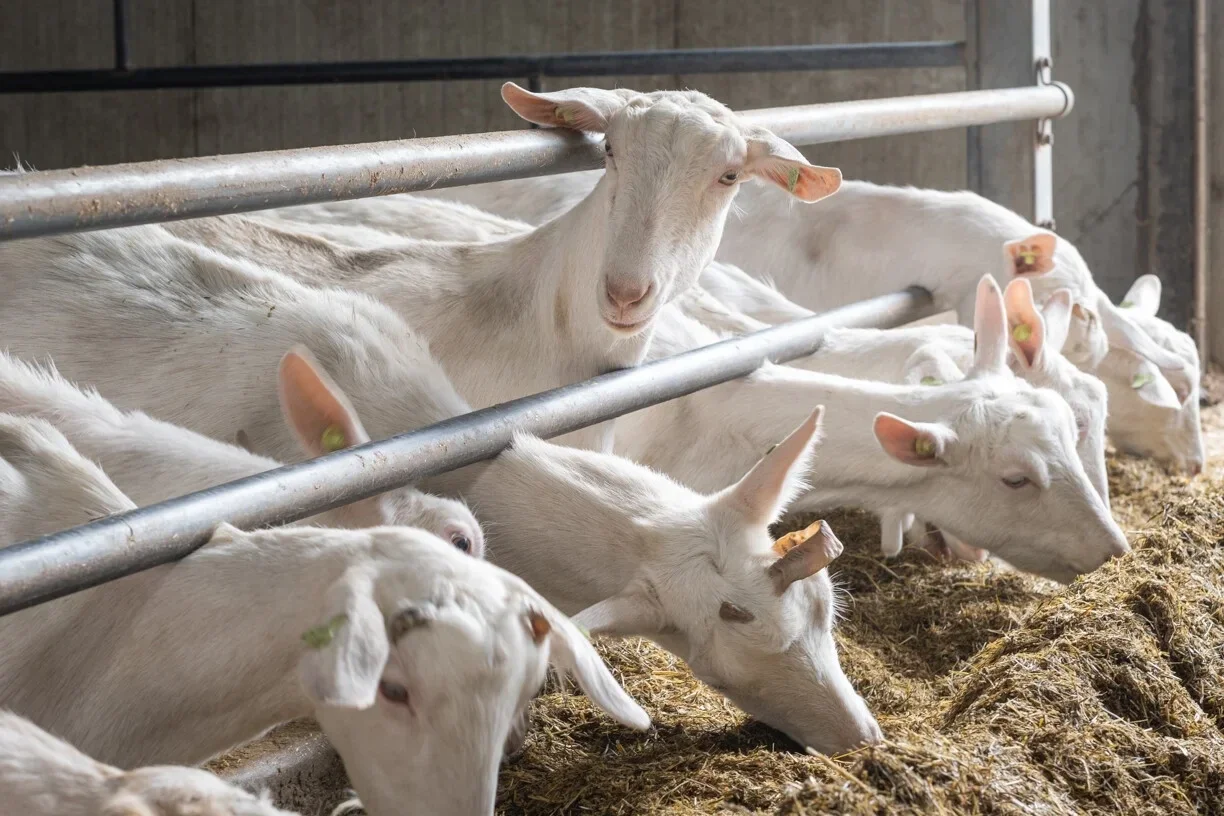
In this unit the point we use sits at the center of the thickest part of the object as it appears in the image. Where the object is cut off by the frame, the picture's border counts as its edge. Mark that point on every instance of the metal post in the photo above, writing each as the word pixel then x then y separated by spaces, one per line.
pixel 1202 181
pixel 51 567
pixel 58 201
pixel 1043 147
pixel 121 37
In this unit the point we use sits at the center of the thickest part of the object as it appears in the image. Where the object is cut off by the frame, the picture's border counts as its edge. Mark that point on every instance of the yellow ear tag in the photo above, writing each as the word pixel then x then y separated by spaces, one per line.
pixel 792 178
pixel 1141 380
pixel 790 541
pixel 931 381
pixel 1022 332
pixel 1027 258
pixel 333 439
pixel 564 115
pixel 924 447
pixel 321 636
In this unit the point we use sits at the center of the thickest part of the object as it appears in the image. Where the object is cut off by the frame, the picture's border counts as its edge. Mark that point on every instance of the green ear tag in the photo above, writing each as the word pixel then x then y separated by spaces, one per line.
pixel 1022 332
pixel 929 380
pixel 321 636
pixel 1126 304
pixel 924 447
pixel 1141 380
pixel 792 178
pixel 333 439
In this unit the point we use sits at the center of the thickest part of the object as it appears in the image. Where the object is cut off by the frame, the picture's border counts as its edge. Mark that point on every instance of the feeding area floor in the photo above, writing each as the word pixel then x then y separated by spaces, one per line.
pixel 999 693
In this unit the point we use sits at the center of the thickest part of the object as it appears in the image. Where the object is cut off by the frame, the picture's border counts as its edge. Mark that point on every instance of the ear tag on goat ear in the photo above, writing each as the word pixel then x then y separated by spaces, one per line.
pixel 1126 304
pixel 540 627
pixel 1141 380
pixel 790 541
pixel 321 636
pixel 924 447
pixel 564 115
pixel 929 380
pixel 333 439
pixel 1027 257
pixel 1022 332
pixel 792 178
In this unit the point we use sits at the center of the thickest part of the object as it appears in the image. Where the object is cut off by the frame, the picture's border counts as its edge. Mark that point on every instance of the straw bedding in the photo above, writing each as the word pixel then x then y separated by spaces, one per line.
pixel 999 693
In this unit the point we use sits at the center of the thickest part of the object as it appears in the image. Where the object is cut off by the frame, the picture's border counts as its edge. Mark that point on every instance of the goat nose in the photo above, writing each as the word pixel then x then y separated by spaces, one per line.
pixel 1195 467
pixel 624 294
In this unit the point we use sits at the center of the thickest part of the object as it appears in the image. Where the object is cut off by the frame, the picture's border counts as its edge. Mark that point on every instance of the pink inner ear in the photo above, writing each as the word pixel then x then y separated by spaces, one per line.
pixel 1033 255
pixel 1026 327
pixel 530 106
pixel 902 441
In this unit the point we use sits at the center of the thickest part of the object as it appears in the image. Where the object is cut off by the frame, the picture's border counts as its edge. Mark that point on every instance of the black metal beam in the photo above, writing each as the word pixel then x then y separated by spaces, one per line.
pixel 611 63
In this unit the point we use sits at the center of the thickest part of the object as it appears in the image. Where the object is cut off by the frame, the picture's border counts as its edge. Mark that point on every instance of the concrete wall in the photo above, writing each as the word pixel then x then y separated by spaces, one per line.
pixel 1120 159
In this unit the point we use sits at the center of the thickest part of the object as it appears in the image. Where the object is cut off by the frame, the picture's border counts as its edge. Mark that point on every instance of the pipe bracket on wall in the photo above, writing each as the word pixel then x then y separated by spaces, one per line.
pixel 1043 142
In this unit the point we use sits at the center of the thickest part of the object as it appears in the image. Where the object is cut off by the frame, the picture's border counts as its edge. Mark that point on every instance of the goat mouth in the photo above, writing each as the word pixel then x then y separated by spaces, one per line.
pixel 626 328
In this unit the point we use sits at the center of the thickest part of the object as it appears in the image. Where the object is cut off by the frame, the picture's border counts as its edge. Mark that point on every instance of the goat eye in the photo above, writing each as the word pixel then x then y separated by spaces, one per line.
pixel 461 542
pixel 1015 482
pixel 730 612
pixel 729 178
pixel 607 148
pixel 393 692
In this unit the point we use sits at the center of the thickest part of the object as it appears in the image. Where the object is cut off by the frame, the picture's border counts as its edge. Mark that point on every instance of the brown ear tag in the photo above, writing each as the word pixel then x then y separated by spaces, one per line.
pixel 539 625
pixel 790 541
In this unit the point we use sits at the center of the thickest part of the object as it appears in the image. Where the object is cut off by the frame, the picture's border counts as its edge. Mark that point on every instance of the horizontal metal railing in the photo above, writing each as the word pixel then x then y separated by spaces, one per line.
pixel 36 571
pixel 58 201
pixel 123 77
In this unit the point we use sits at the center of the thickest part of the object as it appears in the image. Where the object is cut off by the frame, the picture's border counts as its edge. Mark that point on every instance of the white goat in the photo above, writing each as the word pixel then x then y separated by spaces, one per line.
pixel 830 255
pixel 200 339
pixel 841 716
pixel 577 296
pixel 41 775
pixel 631 552
pixel 989 459
pixel 152 461
pixel 46 485
pixel 415 659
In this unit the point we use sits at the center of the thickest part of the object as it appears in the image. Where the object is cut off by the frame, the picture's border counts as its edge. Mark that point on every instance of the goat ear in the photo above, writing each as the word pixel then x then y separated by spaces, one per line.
pixel 778 161
pixel 923 444
pixel 1031 256
pixel 570 651
pixel 989 329
pixel 1144 296
pixel 766 491
pixel 345 654
pixel 1143 377
pixel 585 109
pixel 126 803
pixel 1057 317
pixel 633 612
pixel 1124 334
pixel 1025 326
pixel 803 554
pixel 315 408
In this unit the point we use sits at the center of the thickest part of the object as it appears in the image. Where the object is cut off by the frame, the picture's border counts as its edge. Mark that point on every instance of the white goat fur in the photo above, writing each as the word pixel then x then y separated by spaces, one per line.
pixel 577 296
pixel 119 259
pixel 632 552
pixel 152 461
pixel 999 420
pixel 418 662
pixel 831 254
pixel 41 775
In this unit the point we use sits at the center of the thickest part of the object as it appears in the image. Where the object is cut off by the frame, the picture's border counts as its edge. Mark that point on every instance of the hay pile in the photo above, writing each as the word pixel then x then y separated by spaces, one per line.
pixel 1000 693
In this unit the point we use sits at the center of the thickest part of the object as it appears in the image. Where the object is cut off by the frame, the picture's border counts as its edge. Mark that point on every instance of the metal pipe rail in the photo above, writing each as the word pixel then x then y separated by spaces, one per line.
pixel 59 201
pixel 939 54
pixel 41 570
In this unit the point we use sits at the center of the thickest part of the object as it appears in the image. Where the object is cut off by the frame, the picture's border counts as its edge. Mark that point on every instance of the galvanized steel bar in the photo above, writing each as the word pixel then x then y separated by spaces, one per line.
pixel 58 201
pixel 1043 144
pixel 44 569
pixel 937 54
